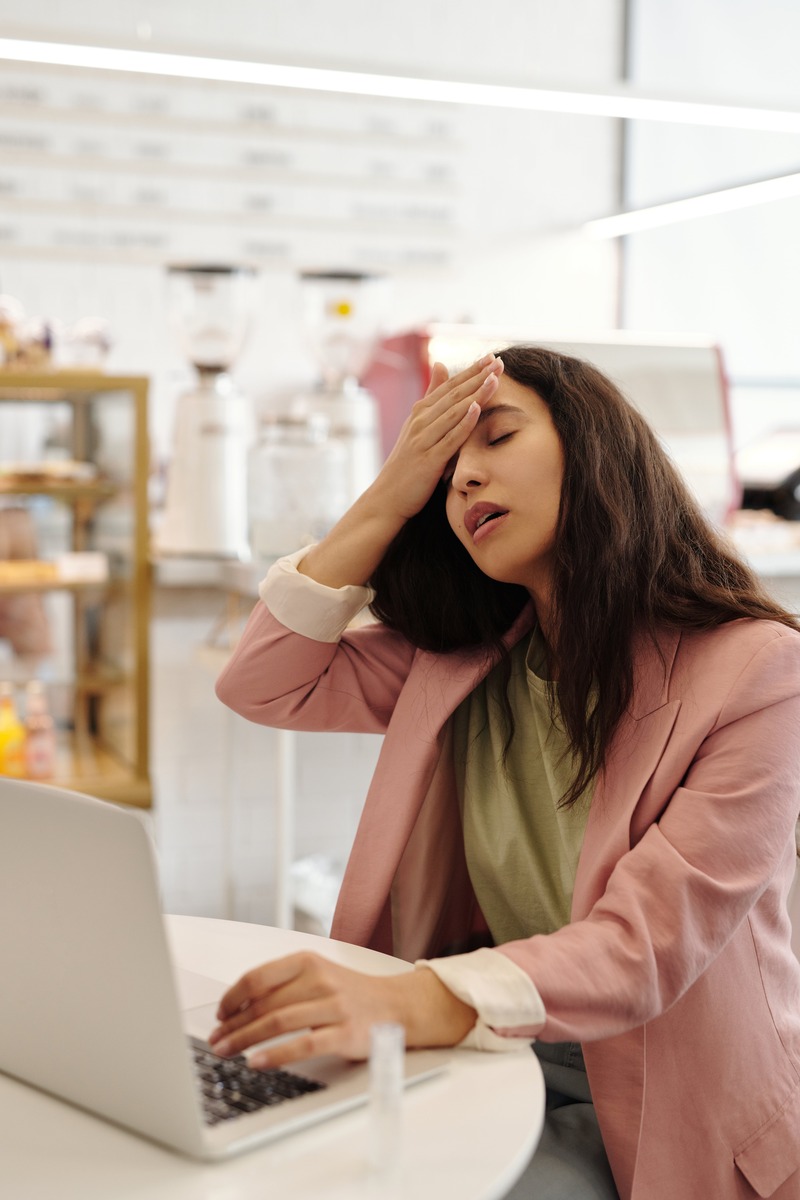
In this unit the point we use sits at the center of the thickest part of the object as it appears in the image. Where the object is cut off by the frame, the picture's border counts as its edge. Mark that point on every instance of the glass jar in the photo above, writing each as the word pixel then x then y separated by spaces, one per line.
pixel 296 484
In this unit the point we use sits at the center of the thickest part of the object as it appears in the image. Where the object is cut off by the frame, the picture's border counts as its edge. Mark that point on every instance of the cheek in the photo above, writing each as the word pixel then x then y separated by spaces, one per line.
pixel 453 519
pixel 454 512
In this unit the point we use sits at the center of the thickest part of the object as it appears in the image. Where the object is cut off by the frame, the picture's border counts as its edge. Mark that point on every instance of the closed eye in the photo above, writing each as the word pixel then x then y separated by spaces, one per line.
pixel 503 438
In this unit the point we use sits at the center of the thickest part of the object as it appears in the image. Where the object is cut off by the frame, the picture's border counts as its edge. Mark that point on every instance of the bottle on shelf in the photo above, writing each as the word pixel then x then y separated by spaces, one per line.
pixel 40 736
pixel 12 735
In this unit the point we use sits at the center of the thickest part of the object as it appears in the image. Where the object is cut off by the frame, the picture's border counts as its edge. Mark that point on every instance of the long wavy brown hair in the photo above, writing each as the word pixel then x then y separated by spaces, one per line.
pixel 633 553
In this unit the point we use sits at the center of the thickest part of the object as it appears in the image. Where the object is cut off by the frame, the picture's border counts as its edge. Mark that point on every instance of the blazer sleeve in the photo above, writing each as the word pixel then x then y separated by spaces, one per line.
pixel 674 901
pixel 299 666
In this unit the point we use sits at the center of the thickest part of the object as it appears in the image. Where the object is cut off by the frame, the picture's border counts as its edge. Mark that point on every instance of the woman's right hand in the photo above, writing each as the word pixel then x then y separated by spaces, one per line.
pixel 436 428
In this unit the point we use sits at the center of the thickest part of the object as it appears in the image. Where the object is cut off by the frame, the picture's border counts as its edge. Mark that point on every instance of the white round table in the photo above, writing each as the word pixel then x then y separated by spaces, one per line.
pixel 467 1133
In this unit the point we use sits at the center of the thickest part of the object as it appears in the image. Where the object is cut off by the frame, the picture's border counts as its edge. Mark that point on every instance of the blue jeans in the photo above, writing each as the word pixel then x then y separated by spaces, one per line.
pixel 570 1161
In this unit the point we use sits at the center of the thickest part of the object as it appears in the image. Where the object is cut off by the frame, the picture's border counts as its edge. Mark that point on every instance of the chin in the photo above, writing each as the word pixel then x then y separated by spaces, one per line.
pixel 498 574
pixel 519 574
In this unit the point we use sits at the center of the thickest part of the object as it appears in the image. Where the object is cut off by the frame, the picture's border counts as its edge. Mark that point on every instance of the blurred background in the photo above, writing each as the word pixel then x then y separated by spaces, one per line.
pixel 280 257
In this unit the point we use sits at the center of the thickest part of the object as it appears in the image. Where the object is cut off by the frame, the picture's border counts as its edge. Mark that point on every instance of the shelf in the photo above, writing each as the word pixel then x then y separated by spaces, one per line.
pixel 89 560
pixel 69 493
pixel 90 768
pixel 99 680
pixel 64 385
pixel 16 588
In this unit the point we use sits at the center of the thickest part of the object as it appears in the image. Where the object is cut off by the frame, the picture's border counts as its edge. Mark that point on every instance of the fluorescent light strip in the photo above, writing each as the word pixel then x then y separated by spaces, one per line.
pixel 709 204
pixel 625 104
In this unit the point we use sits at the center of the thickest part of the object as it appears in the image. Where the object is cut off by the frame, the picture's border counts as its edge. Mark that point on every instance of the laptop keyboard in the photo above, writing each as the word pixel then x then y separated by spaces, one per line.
pixel 229 1087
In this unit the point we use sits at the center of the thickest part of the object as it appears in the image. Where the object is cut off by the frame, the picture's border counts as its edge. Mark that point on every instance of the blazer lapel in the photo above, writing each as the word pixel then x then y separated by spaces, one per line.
pixel 634 755
pixel 436 686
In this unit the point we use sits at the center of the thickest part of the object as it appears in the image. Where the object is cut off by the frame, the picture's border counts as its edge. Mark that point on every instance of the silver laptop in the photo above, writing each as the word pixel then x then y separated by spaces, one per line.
pixel 90 1006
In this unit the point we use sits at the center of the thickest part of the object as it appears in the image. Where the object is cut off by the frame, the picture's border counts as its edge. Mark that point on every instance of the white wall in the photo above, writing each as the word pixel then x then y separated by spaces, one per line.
pixel 734 276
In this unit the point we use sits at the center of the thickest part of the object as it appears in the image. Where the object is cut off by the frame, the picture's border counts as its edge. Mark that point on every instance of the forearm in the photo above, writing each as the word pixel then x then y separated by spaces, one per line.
pixel 352 550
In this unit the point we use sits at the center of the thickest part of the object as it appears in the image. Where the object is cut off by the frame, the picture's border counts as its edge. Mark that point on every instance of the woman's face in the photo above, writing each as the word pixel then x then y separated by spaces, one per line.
pixel 504 489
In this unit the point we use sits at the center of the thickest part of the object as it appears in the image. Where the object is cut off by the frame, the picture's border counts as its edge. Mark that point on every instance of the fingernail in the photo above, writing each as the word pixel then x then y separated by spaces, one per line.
pixel 223 1047
pixel 484 362
pixel 261 1062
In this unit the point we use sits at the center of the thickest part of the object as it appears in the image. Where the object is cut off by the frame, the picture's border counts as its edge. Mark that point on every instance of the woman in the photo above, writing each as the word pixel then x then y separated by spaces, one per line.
pixel 581 825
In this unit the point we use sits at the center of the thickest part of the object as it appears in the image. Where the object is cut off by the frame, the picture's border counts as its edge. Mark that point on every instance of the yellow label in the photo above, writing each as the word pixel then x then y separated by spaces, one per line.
pixel 12 757
pixel 12 744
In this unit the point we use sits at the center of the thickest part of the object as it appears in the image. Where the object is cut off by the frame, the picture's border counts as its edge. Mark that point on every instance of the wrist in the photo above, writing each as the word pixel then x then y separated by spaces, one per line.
pixel 379 506
pixel 354 547
pixel 431 1014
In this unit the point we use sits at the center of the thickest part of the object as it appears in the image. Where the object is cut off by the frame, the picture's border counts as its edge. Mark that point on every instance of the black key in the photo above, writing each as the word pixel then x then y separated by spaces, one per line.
pixel 230 1087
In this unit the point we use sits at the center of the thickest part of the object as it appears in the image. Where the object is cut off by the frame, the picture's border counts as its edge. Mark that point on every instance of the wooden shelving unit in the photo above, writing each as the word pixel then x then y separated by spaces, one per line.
pixel 101 680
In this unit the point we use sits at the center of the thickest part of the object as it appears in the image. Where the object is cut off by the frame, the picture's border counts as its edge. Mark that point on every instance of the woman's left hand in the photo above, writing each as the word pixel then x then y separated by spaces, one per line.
pixel 331 1008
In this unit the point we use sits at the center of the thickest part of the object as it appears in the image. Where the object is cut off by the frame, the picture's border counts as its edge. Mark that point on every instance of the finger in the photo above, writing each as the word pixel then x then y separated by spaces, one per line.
pixel 439 375
pixel 482 365
pixel 439 435
pixel 254 1010
pixel 302 987
pixel 310 1044
pixel 460 417
pixel 261 980
pixel 313 1014
pixel 460 387
pixel 476 367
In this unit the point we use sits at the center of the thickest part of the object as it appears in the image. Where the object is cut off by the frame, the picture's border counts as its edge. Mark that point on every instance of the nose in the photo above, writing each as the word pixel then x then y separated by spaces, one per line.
pixel 470 469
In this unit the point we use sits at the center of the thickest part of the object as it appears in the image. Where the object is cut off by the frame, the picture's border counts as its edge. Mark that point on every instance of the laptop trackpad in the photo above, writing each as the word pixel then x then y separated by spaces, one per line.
pixel 199 997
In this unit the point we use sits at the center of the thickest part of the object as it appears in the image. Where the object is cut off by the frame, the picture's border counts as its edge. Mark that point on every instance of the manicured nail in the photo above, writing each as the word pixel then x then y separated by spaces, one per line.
pixel 484 362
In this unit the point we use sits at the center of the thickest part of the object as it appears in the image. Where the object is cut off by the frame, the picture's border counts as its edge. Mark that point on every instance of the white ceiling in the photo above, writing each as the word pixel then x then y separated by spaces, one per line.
pixel 741 51
pixel 511 41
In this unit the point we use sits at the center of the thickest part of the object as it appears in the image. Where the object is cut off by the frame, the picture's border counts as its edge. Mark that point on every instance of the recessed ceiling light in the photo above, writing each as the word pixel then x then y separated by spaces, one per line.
pixel 623 102
pixel 783 187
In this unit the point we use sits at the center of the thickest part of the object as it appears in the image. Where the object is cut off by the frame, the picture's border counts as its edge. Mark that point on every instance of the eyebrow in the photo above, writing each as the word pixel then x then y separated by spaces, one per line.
pixel 500 408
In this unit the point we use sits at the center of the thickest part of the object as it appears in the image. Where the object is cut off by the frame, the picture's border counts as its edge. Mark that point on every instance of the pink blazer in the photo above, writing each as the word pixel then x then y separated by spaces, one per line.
pixel 676 970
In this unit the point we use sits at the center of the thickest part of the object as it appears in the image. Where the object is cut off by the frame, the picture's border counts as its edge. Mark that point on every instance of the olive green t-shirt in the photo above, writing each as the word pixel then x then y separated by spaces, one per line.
pixel 522 850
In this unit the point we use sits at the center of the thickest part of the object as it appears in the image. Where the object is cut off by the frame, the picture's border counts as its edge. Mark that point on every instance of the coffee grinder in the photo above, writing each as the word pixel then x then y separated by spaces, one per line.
pixel 205 513
pixel 342 316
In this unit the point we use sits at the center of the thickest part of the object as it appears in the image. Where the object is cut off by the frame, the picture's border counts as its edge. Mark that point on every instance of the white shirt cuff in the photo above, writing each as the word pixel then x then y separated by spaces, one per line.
pixel 307 607
pixel 500 991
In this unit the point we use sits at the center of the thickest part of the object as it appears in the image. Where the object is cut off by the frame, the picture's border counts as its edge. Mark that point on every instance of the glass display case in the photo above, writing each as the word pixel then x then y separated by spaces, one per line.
pixel 74 578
